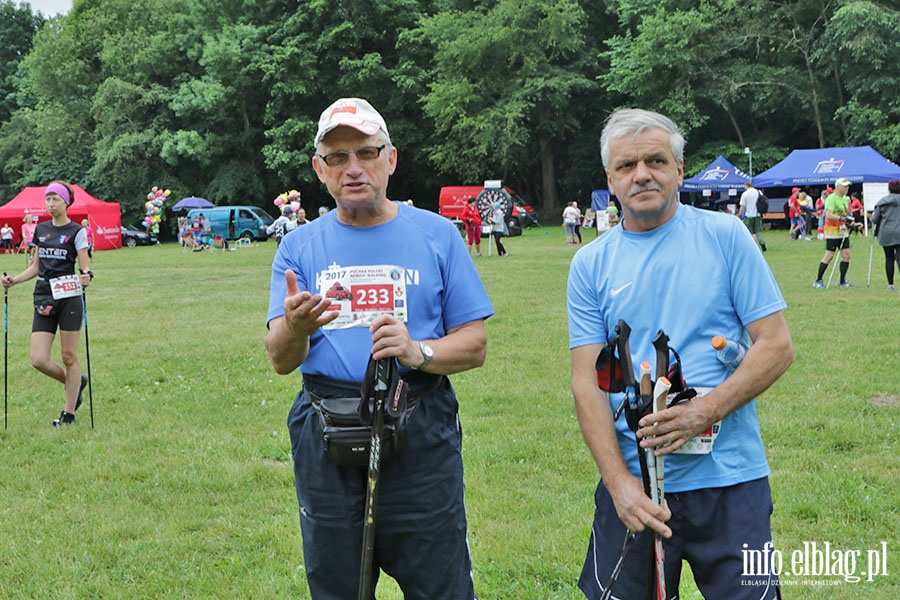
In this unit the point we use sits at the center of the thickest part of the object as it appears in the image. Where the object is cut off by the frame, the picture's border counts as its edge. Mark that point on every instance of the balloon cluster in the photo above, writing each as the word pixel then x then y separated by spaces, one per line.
pixel 153 206
pixel 291 199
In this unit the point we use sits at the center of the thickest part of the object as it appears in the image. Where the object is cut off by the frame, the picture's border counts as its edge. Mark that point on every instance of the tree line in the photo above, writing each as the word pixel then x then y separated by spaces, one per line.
pixel 221 99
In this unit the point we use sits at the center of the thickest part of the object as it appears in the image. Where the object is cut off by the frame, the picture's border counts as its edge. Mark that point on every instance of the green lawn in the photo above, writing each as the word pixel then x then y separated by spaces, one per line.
pixel 184 488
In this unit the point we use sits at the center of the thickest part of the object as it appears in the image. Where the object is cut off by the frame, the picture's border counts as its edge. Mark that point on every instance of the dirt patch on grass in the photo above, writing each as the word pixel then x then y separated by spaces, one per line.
pixel 886 400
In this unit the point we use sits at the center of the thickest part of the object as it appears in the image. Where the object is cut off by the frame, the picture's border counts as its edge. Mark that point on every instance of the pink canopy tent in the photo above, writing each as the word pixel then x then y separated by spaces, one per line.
pixel 105 218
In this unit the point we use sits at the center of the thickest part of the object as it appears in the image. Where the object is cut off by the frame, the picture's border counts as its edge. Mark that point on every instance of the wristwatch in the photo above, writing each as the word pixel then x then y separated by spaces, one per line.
pixel 427 352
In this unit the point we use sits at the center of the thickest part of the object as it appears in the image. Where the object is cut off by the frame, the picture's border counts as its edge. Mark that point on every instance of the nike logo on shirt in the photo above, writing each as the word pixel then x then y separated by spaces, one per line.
pixel 618 291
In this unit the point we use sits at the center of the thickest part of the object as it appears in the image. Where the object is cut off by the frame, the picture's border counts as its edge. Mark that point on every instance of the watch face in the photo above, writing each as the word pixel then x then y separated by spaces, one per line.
pixel 486 199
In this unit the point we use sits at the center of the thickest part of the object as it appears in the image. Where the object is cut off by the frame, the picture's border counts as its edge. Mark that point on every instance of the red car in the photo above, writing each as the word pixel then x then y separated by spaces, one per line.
pixel 338 292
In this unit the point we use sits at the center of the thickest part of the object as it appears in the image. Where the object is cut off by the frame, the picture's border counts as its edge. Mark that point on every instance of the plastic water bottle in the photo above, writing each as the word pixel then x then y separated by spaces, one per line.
pixel 730 353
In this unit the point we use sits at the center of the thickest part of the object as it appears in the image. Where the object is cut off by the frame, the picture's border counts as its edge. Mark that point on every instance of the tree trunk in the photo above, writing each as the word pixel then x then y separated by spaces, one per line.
pixel 548 176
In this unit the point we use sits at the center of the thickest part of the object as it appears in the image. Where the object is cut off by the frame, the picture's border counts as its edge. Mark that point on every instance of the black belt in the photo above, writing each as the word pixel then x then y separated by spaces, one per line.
pixel 321 387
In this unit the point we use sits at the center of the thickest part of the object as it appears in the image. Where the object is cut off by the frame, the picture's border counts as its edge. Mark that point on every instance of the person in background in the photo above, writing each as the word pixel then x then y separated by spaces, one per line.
pixel 60 243
pixel 89 231
pixel 300 217
pixel 886 219
pixel 663 261
pixel 154 230
pixel 183 231
pixel 807 206
pixel 471 219
pixel 498 228
pixel 856 207
pixel 612 213
pixel 820 213
pixel 6 238
pixel 795 213
pixel 438 330
pixel 207 229
pixel 197 233
pixel 323 210
pixel 28 226
pixel 570 216
pixel 748 212
pixel 578 221
pixel 837 232
pixel 283 225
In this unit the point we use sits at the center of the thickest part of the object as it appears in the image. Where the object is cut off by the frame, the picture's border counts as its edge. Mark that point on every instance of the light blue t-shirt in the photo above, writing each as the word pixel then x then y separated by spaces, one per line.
pixel 697 276
pixel 442 286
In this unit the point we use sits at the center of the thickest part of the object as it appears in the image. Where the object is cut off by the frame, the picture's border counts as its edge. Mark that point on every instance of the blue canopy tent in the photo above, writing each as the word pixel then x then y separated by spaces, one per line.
pixel 859 164
pixel 599 200
pixel 720 176
pixel 822 166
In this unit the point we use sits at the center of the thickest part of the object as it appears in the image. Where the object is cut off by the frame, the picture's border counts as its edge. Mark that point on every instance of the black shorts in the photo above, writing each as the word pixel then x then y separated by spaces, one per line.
pixel 833 244
pixel 67 316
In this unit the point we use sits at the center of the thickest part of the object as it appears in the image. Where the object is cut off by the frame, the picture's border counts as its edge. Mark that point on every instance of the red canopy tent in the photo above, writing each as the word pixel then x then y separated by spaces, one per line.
pixel 105 218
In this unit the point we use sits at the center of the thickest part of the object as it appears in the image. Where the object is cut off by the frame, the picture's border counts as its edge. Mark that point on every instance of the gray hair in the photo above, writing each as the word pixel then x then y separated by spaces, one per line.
pixel 636 121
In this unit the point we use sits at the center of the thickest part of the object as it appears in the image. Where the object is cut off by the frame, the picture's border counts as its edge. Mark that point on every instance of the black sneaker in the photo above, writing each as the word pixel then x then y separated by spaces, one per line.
pixel 763 246
pixel 65 418
pixel 81 389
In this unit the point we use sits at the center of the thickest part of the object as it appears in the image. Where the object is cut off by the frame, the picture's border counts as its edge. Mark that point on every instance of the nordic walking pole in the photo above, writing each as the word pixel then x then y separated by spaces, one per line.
pixel 383 369
pixel 656 472
pixel 660 391
pixel 5 349
pixel 87 349
pixel 836 258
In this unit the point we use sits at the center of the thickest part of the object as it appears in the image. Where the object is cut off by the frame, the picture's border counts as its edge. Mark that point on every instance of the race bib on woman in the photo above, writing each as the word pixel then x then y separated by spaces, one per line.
pixel 66 286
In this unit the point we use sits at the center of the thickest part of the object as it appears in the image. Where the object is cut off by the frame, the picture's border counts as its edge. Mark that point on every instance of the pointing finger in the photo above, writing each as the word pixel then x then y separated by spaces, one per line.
pixel 291 279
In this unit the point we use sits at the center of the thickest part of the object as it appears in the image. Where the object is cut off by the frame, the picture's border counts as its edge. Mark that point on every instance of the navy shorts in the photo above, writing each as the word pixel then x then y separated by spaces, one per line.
pixel 420 521
pixel 712 529
pixel 67 316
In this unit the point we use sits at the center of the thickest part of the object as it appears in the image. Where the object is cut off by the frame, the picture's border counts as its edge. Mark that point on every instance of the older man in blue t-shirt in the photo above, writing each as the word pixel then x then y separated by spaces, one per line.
pixel 381 279
pixel 694 274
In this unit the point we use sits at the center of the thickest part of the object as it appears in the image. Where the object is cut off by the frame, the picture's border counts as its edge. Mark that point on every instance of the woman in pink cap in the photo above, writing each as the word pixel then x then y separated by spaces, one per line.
pixel 60 242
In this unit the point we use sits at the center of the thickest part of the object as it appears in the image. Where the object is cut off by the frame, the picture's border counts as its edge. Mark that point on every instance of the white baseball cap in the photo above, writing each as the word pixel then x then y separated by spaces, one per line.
pixel 352 112
pixel 842 181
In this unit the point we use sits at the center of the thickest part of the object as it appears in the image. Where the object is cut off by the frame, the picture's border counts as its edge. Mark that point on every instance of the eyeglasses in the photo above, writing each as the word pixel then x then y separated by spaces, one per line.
pixel 341 158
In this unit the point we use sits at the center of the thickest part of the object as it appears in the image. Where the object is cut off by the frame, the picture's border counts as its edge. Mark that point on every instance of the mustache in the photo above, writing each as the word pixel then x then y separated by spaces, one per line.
pixel 651 186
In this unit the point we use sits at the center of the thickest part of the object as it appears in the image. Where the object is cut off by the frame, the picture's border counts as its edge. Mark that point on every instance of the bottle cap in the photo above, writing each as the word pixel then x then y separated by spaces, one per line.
pixel 718 342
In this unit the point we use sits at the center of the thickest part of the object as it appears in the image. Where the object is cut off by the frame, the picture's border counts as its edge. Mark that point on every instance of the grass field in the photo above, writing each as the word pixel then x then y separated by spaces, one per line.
pixel 184 488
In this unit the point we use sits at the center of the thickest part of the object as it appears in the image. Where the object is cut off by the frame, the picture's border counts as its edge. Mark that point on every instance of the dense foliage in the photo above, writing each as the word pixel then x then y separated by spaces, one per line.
pixel 220 99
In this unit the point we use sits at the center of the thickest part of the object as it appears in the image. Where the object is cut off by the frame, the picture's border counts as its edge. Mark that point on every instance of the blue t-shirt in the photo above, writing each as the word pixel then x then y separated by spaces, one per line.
pixel 697 276
pixel 442 286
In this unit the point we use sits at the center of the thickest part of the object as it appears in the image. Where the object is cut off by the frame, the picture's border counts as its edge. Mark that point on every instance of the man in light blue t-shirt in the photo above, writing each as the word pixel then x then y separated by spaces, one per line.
pixel 694 274
pixel 381 279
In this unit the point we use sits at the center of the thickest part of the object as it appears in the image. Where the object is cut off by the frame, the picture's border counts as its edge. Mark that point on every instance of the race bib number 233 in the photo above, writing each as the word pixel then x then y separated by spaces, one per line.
pixel 361 293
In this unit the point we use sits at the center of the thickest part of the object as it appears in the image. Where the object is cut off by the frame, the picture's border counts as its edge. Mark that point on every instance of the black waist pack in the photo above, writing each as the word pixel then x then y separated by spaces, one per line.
pixel 347 422
pixel 45 304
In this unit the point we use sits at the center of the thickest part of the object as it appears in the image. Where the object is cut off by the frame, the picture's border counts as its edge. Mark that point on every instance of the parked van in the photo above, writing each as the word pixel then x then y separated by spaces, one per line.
pixel 233 222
